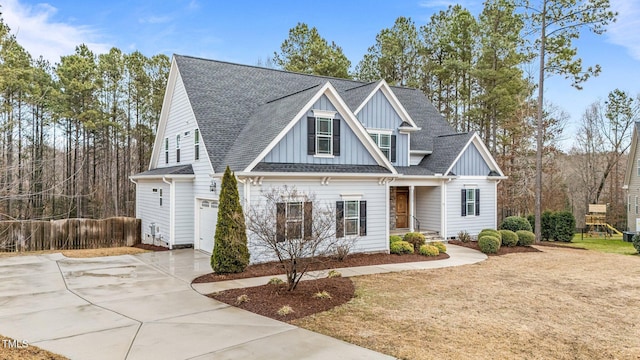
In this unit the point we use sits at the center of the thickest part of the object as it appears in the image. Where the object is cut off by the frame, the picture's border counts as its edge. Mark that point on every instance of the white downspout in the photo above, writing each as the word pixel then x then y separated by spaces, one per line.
pixel 172 212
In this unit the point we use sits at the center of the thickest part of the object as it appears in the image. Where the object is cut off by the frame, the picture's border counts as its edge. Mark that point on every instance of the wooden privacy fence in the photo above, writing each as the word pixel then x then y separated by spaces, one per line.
pixel 30 235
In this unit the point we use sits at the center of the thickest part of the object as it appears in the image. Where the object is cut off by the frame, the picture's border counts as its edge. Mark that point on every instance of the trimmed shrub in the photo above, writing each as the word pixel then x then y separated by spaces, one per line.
pixel 636 242
pixel 242 299
pixel 334 274
pixel 565 226
pixel 489 244
pixel 532 221
pixel 429 250
pixel 490 232
pixel 441 247
pixel 322 295
pixel 525 238
pixel 414 238
pixel 285 310
pixel 275 281
pixel 230 252
pixel 464 236
pixel 394 238
pixel 515 223
pixel 548 225
pixel 401 247
pixel 509 238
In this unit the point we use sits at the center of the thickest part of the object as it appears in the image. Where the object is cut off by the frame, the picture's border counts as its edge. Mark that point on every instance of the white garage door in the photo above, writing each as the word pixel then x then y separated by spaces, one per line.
pixel 208 219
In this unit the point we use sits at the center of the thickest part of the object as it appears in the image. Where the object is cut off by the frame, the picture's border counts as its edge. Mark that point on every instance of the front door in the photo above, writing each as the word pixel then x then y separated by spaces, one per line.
pixel 208 219
pixel 402 207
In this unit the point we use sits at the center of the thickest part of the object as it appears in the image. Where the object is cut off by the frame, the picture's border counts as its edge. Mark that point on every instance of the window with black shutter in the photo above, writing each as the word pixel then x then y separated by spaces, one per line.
pixel 294 220
pixel 470 200
pixel 351 218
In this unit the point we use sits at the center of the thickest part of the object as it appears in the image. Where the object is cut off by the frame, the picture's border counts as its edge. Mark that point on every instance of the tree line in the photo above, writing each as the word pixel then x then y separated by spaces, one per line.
pixel 72 132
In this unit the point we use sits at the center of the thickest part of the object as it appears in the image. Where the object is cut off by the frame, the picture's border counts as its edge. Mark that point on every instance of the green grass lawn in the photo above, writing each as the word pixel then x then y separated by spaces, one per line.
pixel 613 244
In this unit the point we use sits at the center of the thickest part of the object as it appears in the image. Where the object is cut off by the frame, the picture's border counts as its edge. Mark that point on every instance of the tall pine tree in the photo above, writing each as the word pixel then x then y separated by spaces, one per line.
pixel 230 252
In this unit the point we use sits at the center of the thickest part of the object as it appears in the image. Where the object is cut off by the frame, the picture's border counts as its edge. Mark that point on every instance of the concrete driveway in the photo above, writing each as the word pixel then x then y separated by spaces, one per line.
pixel 142 307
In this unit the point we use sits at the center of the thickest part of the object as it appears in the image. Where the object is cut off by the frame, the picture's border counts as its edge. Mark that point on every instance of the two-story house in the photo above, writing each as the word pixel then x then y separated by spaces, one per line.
pixel 381 153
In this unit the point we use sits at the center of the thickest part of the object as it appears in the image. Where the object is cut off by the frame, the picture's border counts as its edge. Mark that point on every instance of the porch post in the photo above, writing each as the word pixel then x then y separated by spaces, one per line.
pixel 411 206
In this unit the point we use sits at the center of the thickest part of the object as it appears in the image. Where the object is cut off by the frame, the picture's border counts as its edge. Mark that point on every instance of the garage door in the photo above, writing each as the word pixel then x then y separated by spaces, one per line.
pixel 208 219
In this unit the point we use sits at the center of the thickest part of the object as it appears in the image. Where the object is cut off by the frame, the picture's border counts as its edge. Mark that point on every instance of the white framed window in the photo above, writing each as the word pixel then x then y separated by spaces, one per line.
pixel 352 217
pixel 178 148
pixel 166 150
pixel 324 136
pixel 295 218
pixel 196 144
pixel 384 143
pixel 471 202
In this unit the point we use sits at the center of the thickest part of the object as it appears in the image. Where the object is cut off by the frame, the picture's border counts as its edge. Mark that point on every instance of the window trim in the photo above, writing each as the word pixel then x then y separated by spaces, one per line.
pixel 166 150
pixel 471 200
pixel 355 218
pixel 196 144
pixel 376 136
pixel 328 136
pixel 299 221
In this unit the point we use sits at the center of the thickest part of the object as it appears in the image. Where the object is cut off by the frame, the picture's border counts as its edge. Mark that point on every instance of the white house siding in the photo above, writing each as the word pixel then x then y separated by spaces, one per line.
pixel 633 191
pixel 148 208
pixel 471 223
pixel 373 193
pixel 378 113
pixel 184 213
pixel 293 147
pixel 428 207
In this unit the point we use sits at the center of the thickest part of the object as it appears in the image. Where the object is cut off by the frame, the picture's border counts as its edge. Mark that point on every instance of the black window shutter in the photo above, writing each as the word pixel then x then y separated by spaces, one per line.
pixel 308 220
pixel 336 137
pixel 464 202
pixel 393 148
pixel 477 202
pixel 363 218
pixel 177 155
pixel 339 219
pixel 281 221
pixel 311 136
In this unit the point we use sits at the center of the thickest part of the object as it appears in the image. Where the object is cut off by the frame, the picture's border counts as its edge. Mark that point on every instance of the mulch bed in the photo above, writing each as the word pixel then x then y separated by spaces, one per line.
pixel 267 299
pixel 150 247
pixel 503 249
pixel 275 268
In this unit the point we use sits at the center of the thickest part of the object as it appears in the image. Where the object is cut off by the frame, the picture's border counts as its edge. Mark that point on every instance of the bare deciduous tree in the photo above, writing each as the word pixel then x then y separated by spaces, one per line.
pixel 295 228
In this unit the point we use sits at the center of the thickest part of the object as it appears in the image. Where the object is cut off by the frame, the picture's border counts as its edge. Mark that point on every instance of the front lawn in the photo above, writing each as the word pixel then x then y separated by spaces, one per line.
pixel 613 244
pixel 555 304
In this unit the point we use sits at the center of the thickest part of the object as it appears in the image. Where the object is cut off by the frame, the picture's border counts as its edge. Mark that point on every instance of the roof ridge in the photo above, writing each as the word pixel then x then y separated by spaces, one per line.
pixel 363 85
pixel 265 68
pixel 456 134
pixel 293 93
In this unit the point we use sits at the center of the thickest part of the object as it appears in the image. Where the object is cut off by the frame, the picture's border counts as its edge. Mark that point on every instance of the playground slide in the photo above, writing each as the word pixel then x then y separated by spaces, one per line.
pixel 613 230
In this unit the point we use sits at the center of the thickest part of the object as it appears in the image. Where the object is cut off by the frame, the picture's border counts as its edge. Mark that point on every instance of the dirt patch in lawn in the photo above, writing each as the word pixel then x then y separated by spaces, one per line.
pixel 555 304
pixel 151 247
pixel 29 352
pixel 275 268
pixel 304 300
pixel 502 251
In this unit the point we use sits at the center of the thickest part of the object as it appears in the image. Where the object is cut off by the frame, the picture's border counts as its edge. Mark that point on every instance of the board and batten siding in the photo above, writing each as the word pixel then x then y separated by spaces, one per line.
pixel 148 208
pixel 471 223
pixel 633 192
pixel 471 163
pixel 374 194
pixel 428 207
pixel 378 113
pixel 293 147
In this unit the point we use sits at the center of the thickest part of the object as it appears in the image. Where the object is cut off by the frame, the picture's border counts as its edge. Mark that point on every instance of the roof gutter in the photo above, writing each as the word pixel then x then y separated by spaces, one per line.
pixel 163 176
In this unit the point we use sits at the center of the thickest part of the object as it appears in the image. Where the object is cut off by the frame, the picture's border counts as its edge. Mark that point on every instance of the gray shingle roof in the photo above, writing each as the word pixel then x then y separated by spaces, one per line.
pixel 171 170
pixel 240 109
pixel 445 150
pixel 320 168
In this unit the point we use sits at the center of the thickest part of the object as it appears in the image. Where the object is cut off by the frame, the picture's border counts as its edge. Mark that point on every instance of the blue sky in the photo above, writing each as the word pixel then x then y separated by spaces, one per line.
pixel 248 31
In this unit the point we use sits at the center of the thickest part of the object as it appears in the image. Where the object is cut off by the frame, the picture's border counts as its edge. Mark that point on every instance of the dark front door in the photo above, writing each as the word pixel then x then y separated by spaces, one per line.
pixel 402 207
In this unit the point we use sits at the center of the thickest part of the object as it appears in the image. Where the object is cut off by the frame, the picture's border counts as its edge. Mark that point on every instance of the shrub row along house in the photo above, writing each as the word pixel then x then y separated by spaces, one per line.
pixel 381 155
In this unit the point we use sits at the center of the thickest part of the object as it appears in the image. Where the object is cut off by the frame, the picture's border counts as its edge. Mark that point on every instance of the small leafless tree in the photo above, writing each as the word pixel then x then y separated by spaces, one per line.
pixel 295 228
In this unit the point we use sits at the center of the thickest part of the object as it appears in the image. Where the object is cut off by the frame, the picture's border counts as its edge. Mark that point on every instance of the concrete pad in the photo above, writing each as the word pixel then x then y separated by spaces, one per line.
pixel 212 287
pixel 229 315
pixel 28 259
pixel 31 284
pixel 80 264
pixel 124 274
pixel 296 344
pixel 39 267
pixel 61 322
pixel 159 340
pixel 162 306
pixel 111 292
pixel 23 304
pixel 108 344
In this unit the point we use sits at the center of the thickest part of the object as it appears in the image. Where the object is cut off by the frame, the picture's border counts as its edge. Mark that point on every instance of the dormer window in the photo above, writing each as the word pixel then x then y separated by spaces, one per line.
pixel 386 143
pixel 323 134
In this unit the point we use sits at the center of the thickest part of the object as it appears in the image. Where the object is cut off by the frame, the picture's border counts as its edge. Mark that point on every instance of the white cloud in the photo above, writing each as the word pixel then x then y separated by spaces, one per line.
pixel 624 32
pixel 40 35
pixel 155 20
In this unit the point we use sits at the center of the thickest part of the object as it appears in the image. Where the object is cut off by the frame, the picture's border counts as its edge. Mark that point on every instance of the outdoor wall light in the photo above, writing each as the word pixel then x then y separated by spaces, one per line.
pixel 212 187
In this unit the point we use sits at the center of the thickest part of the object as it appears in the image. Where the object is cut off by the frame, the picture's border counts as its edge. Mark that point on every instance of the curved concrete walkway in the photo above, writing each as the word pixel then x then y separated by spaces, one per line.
pixel 143 307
